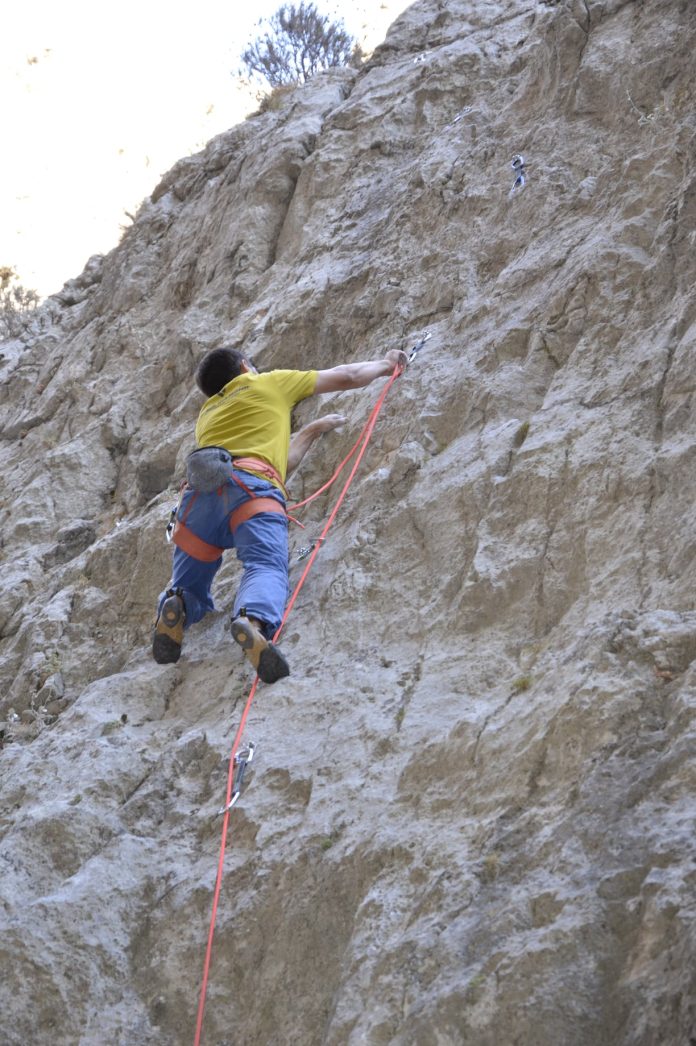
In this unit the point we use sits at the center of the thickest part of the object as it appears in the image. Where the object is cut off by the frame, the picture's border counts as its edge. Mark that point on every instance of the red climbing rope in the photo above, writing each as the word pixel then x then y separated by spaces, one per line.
pixel 363 439
pixel 337 473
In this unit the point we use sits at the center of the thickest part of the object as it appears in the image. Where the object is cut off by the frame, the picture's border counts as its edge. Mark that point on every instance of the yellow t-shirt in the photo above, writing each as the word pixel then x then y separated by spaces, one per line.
pixel 250 416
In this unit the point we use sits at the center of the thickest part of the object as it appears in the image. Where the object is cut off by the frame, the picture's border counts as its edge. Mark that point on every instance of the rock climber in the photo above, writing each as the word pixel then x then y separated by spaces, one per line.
pixel 235 497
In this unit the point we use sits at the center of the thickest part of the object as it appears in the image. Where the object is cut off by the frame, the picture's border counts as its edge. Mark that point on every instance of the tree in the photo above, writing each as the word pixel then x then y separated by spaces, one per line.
pixel 296 44
pixel 16 303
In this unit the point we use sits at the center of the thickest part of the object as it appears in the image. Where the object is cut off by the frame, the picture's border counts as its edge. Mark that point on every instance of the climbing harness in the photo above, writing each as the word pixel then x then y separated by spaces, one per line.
pixel 233 774
pixel 263 468
pixel 208 469
pixel 189 542
pixel 241 761
pixel 217 472
pixel 257 503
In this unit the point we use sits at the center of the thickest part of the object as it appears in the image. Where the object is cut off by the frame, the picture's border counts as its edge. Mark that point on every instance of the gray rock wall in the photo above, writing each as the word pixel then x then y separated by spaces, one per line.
pixel 470 819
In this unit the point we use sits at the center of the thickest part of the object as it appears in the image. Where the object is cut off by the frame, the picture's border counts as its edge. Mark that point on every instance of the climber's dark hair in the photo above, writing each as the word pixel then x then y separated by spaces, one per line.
pixel 217 368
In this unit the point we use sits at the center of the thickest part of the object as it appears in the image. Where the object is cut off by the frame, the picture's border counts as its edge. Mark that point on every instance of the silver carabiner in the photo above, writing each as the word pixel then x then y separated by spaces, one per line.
pixel 418 346
pixel 171 524
pixel 242 760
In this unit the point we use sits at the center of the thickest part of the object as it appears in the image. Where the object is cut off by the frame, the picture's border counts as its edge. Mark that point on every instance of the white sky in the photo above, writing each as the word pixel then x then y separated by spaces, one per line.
pixel 100 99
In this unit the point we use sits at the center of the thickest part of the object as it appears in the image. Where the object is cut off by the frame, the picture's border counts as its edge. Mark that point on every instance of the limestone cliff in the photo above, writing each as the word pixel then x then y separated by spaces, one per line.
pixel 471 816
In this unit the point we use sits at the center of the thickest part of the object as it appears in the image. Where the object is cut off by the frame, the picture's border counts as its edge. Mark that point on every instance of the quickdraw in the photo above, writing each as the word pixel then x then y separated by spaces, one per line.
pixel 518 166
pixel 460 115
pixel 241 761
pixel 306 550
pixel 418 346
pixel 171 525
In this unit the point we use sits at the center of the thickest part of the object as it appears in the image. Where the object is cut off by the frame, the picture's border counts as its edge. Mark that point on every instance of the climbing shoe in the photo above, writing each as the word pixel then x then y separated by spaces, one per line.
pixel 266 658
pixel 169 630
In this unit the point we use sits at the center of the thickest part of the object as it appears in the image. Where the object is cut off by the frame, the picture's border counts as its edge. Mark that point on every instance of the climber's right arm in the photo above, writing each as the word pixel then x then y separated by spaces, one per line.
pixel 358 375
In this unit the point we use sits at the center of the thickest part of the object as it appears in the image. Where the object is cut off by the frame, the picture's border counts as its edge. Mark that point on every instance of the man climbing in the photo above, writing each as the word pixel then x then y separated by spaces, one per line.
pixel 235 497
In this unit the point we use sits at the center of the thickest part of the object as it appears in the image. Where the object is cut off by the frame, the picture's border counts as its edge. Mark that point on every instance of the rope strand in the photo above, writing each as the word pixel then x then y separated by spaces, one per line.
pixel 334 477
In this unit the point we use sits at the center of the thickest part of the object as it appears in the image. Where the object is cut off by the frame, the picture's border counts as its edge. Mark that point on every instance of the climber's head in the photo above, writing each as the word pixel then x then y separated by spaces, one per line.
pixel 219 367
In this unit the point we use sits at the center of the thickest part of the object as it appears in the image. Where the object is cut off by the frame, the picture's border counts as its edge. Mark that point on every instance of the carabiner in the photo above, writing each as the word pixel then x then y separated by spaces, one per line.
pixel 172 523
pixel 418 346
pixel 242 760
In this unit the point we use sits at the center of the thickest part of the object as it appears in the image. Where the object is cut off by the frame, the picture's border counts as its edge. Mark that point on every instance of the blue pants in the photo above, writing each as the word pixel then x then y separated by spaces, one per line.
pixel 262 547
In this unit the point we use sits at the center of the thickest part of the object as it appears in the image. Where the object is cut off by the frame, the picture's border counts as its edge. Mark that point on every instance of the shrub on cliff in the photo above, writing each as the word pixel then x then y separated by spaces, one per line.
pixel 296 43
pixel 16 303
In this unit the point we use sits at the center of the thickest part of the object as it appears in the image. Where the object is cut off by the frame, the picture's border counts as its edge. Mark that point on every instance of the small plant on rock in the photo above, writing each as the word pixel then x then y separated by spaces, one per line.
pixel 521 434
pixel 273 101
pixel 490 868
pixel 16 303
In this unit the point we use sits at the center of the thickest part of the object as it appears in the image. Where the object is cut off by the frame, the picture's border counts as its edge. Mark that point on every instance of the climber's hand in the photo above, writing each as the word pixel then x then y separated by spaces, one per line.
pixel 397 358
pixel 329 422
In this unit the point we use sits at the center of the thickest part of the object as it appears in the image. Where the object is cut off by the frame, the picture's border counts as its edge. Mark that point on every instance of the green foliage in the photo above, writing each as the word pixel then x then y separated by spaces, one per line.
pixel 521 434
pixel 490 869
pixel 53 663
pixel 16 303
pixel 327 841
pixel 111 726
pixel 474 989
pixel 273 101
pixel 296 43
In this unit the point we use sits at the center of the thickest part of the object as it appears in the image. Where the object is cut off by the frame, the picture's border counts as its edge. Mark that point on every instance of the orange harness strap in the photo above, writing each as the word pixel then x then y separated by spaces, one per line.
pixel 251 508
pixel 262 467
pixel 189 542
pixel 194 546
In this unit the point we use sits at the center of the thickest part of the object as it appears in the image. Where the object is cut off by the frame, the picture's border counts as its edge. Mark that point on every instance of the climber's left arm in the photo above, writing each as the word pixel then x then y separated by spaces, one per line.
pixel 301 441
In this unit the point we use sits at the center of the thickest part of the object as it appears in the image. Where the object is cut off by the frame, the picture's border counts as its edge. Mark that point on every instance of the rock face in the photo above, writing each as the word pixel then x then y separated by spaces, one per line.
pixel 470 819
